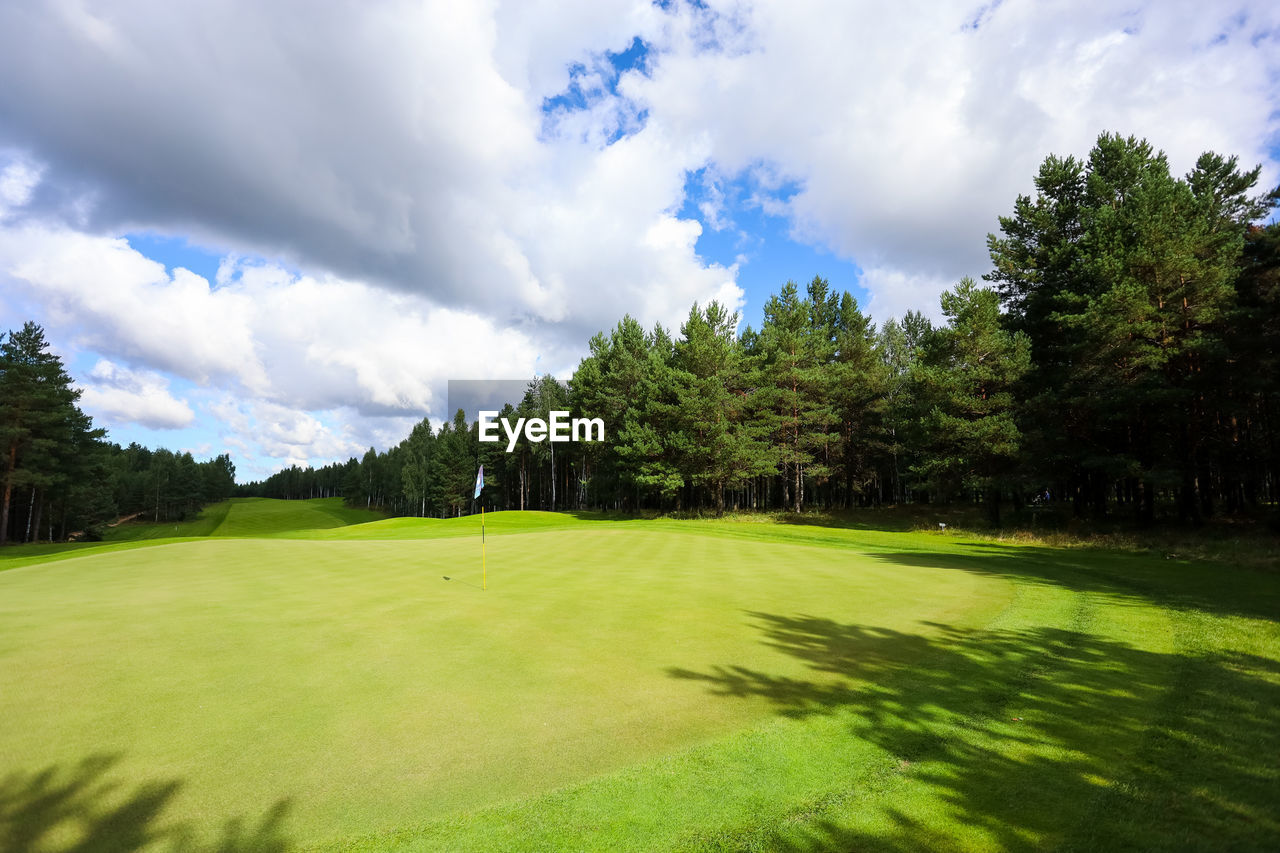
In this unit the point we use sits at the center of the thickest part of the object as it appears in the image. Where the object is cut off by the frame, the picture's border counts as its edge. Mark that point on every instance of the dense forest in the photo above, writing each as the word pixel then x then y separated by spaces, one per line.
pixel 1122 361
pixel 60 477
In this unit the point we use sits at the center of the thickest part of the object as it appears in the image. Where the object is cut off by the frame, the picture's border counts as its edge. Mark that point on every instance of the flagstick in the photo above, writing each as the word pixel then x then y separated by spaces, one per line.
pixel 484 567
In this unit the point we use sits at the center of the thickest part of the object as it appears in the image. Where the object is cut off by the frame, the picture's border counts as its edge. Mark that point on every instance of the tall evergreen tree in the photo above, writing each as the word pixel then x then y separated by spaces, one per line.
pixel 795 345
pixel 858 383
pixel 900 346
pixel 1122 277
pixel 40 425
pixel 971 367
pixel 721 446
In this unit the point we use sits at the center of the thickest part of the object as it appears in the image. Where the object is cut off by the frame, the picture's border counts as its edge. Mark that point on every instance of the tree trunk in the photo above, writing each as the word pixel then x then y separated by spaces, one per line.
pixel 1188 505
pixel 1146 514
pixel 8 491
pixel 797 494
pixel 31 508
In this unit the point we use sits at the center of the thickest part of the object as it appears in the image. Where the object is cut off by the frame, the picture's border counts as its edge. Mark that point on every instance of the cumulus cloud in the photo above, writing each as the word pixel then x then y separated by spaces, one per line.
pixel 894 292
pixel 18 177
pixel 405 145
pixel 908 132
pixel 470 190
pixel 133 396
pixel 281 433
pixel 400 144
pixel 266 333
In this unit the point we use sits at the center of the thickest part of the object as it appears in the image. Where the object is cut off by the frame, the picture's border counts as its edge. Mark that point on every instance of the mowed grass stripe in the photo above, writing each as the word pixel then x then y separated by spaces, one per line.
pixel 843 743
pixel 820 687
pixel 351 680
pixel 259 517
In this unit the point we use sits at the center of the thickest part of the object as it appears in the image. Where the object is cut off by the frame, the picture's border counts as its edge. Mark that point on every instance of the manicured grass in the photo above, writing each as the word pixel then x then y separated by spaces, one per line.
pixel 249 517
pixel 632 685
pixel 256 517
pixel 204 524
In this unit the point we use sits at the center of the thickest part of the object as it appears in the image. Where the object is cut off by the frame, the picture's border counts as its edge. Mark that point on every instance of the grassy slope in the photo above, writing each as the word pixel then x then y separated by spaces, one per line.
pixel 702 685
pixel 237 518
pixel 258 517
pixel 209 519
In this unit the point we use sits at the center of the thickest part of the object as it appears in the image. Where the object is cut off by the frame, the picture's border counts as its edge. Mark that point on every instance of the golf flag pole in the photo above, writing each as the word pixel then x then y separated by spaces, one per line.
pixel 484 568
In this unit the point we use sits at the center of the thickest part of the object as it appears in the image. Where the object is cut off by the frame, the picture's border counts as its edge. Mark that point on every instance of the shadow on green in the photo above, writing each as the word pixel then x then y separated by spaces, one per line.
pixel 1223 590
pixel 86 809
pixel 1031 736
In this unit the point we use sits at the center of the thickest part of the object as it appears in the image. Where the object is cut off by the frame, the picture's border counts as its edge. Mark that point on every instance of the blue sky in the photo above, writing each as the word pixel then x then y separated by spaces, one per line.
pixel 759 243
pixel 430 191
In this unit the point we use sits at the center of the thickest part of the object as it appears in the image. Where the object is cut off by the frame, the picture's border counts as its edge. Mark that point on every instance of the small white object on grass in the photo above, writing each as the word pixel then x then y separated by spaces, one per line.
pixel 942 525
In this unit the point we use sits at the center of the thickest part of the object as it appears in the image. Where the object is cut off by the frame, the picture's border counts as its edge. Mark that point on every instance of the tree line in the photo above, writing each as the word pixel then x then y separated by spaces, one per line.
pixel 1121 359
pixel 59 474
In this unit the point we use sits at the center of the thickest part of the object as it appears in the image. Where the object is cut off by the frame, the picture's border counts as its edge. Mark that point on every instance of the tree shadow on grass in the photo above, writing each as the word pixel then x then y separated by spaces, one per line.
pixel 86 809
pixel 1027 739
pixel 1214 589
pixel 889 519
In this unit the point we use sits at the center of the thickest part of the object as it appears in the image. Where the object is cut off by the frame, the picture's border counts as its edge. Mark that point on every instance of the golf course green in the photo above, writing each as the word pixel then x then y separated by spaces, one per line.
pixel 293 675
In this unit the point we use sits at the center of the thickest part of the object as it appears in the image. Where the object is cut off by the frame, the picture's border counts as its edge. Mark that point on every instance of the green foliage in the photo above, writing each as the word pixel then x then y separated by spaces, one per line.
pixel 720 444
pixel 795 347
pixel 1125 280
pixel 50 448
pixel 969 371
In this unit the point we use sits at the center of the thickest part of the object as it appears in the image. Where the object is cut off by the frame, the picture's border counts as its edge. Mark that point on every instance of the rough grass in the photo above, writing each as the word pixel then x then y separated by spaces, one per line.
pixel 258 517
pixel 633 685
pixel 204 524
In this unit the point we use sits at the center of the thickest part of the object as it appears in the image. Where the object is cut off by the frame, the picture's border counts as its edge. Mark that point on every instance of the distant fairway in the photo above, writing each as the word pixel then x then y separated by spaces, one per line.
pixel 629 685
pixel 252 517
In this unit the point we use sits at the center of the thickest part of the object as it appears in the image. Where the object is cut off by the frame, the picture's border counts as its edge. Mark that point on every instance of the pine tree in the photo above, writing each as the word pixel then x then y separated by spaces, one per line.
pixel 858 382
pixel 1122 277
pixel 648 440
pixel 970 368
pixel 40 424
pixel 721 446
pixel 900 347
pixel 795 344
pixel 416 475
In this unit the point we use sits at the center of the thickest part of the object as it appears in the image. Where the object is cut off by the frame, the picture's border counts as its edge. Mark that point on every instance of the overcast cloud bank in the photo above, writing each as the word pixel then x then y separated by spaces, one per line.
pixel 431 190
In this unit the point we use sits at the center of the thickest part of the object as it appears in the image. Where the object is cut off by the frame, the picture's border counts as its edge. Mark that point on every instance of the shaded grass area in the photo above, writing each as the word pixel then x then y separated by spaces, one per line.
pixel 352 679
pixel 1244 540
pixel 1072 720
pixel 640 685
pixel 256 517
pixel 85 807
pixel 204 524
pixel 1044 738
pixel 235 518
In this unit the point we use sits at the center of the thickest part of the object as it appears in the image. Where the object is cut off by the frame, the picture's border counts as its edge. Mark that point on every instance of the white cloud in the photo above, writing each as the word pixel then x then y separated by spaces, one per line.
pixel 404 145
pixel 909 133
pixel 400 145
pixel 281 433
pixel 142 397
pixel 267 334
pixel 894 292
pixel 436 223
pixel 18 177
pixel 128 307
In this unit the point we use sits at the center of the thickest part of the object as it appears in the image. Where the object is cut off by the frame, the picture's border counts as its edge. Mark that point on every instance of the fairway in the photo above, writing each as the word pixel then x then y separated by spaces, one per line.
pixel 629 685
